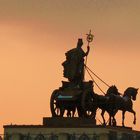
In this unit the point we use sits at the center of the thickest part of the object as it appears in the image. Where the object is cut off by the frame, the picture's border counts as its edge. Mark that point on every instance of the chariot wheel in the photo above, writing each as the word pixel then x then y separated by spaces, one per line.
pixel 87 105
pixel 54 106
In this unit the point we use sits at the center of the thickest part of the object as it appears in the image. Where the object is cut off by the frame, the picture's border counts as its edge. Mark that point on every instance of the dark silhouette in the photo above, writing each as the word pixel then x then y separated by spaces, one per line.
pixel 74 64
pixel 112 102
pixel 125 103
pixel 111 94
pixel 71 98
pixel 106 103
pixel 78 95
pixel 71 111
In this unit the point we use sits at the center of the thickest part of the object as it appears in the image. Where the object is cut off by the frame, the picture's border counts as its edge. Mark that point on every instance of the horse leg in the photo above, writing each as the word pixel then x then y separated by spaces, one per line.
pixel 68 113
pixel 73 111
pixel 110 120
pixel 102 114
pixel 132 111
pixel 134 122
pixel 114 121
pixel 62 110
pixel 94 113
pixel 123 117
pixel 80 111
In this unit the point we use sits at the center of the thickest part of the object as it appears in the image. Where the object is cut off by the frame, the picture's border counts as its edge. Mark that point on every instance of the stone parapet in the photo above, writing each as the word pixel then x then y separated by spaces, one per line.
pixel 41 132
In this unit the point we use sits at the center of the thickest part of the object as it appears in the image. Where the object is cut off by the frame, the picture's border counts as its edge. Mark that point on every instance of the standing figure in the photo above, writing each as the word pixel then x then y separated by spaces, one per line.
pixel 74 64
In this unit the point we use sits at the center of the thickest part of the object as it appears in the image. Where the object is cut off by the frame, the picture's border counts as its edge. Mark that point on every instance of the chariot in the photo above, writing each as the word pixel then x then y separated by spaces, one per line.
pixel 72 98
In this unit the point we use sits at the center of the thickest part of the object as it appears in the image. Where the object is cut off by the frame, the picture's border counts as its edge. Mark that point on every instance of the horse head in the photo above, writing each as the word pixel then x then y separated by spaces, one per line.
pixel 131 92
pixel 112 90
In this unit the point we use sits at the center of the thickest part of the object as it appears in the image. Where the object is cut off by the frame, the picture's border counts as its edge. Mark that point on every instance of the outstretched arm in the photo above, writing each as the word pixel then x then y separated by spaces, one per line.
pixel 88 49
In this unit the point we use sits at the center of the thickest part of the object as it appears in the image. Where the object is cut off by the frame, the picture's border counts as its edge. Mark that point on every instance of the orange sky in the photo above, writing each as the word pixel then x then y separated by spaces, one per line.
pixel 34 35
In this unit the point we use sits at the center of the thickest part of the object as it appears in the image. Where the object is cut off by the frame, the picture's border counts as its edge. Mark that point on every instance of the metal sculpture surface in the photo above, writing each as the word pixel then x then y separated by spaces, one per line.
pixel 69 97
pixel 74 64
pixel 113 101
pixel 125 103
pixel 77 95
pixel 106 103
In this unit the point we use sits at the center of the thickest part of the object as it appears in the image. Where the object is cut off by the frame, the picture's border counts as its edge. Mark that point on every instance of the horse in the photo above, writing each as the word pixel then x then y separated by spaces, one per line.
pixel 106 103
pixel 125 103
pixel 110 106
pixel 63 106
pixel 71 111
pixel 112 102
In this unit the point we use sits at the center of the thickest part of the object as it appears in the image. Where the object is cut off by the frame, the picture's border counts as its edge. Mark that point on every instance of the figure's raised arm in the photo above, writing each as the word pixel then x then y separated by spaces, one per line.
pixel 88 49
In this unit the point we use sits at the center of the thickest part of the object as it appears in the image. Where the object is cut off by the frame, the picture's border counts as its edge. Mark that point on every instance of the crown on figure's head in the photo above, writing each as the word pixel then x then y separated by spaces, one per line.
pixel 80 42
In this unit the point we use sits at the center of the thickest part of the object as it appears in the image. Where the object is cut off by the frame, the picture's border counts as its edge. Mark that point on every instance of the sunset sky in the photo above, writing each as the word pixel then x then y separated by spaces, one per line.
pixel 34 36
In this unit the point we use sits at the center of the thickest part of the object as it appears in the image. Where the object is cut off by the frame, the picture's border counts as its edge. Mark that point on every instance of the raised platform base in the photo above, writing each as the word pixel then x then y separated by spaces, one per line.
pixel 42 132
pixel 68 122
pixel 69 129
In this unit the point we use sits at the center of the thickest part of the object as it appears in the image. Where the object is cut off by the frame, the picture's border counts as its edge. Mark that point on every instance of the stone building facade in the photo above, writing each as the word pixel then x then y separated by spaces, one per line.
pixel 69 129
pixel 40 132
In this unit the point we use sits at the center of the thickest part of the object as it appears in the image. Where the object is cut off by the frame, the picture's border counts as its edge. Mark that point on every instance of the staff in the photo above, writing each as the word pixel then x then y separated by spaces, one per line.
pixel 89 39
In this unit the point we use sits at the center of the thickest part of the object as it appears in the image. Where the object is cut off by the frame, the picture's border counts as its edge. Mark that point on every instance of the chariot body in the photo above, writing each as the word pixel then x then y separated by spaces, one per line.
pixel 72 99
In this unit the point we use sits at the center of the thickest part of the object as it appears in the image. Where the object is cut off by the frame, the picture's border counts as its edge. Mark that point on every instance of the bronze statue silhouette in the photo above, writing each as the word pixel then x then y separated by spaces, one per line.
pixel 125 103
pixel 112 102
pixel 74 64
pixel 76 94
pixel 106 103
pixel 69 97
pixel 71 111
pixel 58 107
pixel 111 93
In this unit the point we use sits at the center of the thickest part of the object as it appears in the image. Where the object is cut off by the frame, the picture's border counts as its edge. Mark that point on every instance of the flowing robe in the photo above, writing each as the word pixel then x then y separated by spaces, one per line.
pixel 74 65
